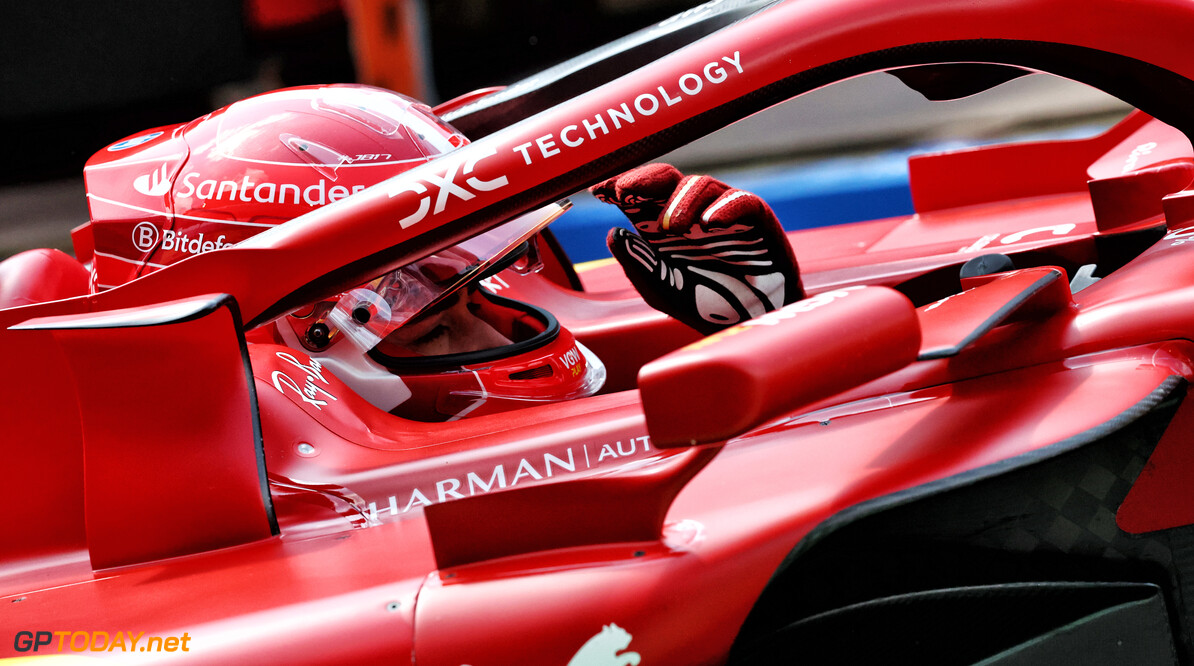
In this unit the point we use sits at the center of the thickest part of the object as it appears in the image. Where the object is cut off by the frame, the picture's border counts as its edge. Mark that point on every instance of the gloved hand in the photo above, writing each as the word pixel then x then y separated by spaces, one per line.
pixel 705 253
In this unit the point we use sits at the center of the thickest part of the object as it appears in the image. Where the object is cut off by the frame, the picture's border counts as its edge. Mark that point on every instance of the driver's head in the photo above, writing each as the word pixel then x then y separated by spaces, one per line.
pixel 169 193
pixel 451 327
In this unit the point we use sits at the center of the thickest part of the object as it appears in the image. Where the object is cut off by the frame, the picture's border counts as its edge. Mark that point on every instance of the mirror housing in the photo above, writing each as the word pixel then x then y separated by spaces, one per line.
pixel 738 379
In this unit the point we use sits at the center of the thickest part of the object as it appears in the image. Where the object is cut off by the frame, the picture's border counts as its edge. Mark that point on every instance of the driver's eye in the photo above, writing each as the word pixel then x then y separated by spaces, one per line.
pixel 431 335
pixel 449 302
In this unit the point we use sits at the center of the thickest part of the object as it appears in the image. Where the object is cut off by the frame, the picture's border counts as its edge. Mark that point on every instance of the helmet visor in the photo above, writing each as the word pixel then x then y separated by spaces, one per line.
pixel 372 311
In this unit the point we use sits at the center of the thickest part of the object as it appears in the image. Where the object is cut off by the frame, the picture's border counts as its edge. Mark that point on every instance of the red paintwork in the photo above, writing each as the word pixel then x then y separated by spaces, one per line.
pixel 516 537
pixel 376 468
pixel 36 276
pixel 202 486
pixel 989 301
pixel 790 483
pixel 807 358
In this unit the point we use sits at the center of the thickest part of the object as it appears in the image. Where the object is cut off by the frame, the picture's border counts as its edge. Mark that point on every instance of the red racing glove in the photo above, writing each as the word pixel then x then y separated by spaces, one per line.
pixel 705 253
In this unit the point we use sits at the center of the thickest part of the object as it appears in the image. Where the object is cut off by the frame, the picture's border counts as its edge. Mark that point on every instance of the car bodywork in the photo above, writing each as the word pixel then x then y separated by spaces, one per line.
pixel 908 465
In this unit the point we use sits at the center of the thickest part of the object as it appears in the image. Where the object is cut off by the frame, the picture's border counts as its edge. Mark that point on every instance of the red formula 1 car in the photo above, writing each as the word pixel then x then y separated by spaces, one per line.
pixel 970 443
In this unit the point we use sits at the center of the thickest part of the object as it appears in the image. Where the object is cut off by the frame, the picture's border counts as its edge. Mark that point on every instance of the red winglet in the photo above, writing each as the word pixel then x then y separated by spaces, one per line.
pixel 954 323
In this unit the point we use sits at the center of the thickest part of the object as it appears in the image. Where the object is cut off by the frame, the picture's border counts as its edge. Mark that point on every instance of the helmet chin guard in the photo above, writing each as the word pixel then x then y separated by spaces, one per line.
pixel 543 362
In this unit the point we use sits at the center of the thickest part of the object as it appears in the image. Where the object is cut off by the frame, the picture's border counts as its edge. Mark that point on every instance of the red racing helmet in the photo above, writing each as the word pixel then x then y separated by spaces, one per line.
pixel 425 341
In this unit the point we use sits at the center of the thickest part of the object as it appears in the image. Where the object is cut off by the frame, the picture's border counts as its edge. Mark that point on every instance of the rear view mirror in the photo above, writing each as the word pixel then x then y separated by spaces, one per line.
pixel 738 379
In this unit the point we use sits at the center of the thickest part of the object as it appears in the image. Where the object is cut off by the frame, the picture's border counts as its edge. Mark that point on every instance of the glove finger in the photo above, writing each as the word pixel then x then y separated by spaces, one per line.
pixel 631 250
pixel 738 210
pixel 605 191
pixel 654 280
pixel 640 192
pixel 692 195
pixel 650 182
pixel 736 206
pixel 744 215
